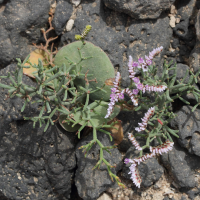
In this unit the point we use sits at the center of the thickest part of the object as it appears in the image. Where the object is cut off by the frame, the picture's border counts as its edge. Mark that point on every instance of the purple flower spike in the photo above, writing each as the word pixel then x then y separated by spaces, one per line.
pixel 126 161
pixel 121 96
pixel 135 91
pixel 141 60
pixel 149 62
pixel 135 64
pixel 112 96
pixel 139 86
pixel 136 80
pixel 113 90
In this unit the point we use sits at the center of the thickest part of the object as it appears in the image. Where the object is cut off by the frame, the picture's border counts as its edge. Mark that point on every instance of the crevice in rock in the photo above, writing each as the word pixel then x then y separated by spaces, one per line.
pixel 74 192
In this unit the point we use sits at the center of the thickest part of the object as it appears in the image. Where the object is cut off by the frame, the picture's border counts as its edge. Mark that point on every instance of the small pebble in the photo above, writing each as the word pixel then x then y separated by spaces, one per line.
pixel 76 2
pixel 69 25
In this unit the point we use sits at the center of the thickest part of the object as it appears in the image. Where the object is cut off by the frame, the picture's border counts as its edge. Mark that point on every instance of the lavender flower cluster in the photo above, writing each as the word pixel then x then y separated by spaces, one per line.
pixel 145 120
pixel 163 148
pixel 135 176
pixel 118 93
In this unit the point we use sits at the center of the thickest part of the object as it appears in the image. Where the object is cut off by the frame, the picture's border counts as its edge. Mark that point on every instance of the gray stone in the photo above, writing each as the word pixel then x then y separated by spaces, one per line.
pixel 136 37
pixel 195 143
pixel 185 9
pixel 34 164
pixel 194 193
pixel 140 9
pixel 178 162
pixel 188 124
pixel 184 37
pixel 59 154
pixel 195 54
pixel 63 12
pixel 166 198
pixel 198 4
pixel 20 25
pixel 91 183
pixel 150 170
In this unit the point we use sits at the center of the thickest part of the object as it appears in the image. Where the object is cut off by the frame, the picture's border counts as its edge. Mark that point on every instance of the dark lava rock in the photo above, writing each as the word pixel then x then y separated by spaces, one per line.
pixel 34 164
pixel 198 4
pixel 62 14
pixel 150 170
pixel 91 183
pixel 10 108
pixel 166 198
pixel 184 37
pixel 184 197
pixel 59 154
pixel 185 9
pixel 140 9
pixel 119 35
pixel 20 24
pixel 182 166
pixel 195 54
pixel 188 123
pixel 193 193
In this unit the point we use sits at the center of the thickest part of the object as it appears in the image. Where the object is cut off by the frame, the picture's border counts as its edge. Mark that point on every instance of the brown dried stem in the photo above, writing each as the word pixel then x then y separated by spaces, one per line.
pixel 51 53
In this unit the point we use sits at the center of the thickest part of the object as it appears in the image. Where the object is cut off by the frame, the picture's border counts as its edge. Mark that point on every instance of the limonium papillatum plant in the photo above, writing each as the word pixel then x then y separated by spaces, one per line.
pixel 155 123
pixel 73 86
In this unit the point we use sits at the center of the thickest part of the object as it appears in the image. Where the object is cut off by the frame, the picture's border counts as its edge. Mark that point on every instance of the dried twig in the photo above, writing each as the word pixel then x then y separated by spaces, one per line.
pixel 51 53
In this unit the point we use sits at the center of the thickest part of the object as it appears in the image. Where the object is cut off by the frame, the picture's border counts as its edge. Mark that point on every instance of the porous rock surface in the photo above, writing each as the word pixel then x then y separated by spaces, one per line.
pixel 91 183
pixel 20 24
pixel 184 32
pixel 62 14
pixel 188 124
pixel 34 164
pixel 195 54
pixel 182 166
pixel 140 9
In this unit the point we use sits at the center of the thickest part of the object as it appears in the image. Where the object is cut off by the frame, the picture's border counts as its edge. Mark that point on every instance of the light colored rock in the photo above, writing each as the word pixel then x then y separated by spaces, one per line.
pixel 104 196
pixel 173 10
pixel 158 196
pixel 76 2
pixel 69 25
pixel 127 192
pixel 53 8
pixel 168 192
pixel 171 49
pixel 172 21
pixel 53 5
